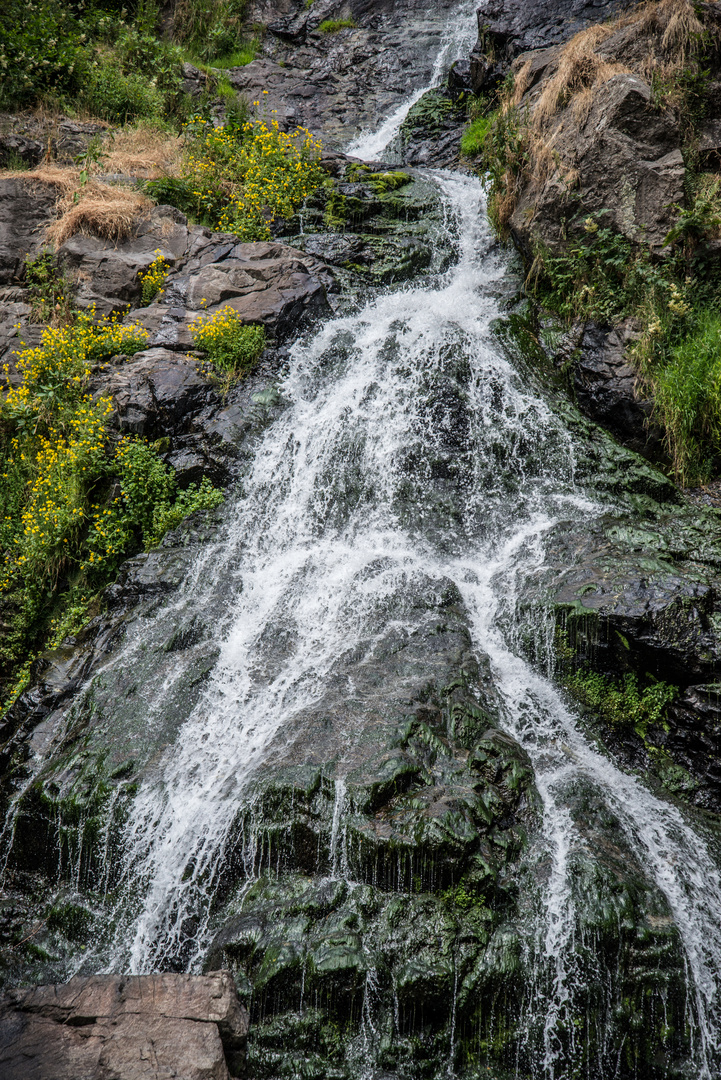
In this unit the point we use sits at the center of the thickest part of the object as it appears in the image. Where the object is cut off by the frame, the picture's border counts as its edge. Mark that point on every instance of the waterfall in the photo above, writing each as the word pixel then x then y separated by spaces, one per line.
pixel 338 516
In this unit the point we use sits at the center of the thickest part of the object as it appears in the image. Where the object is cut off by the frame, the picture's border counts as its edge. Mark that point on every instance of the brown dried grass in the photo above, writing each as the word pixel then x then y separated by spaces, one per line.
pixel 103 210
pixel 143 150
pixel 580 69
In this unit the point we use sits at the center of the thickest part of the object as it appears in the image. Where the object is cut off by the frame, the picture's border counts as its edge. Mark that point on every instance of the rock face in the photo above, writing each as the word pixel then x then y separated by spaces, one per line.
pixel 125 1027
pixel 606 388
pixel 25 209
pixel 514 27
pixel 343 82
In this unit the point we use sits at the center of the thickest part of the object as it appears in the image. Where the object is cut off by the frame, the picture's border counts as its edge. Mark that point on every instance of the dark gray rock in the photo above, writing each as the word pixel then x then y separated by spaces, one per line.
pixel 26 208
pixel 606 387
pixel 154 393
pixel 514 26
pixel 144 1027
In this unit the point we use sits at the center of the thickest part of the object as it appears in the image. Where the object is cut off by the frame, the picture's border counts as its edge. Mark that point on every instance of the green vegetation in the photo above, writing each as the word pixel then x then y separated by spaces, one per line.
pixel 332 26
pixel 153 279
pixel 230 344
pixel 622 701
pixel 242 178
pixel 74 500
pixel 213 32
pixel 87 56
pixel 474 137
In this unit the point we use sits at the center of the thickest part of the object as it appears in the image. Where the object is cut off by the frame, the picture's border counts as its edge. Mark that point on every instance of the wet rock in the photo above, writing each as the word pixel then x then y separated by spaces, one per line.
pixel 431 133
pixel 148 1026
pixel 339 84
pixel 606 388
pixel 513 26
pixel 25 209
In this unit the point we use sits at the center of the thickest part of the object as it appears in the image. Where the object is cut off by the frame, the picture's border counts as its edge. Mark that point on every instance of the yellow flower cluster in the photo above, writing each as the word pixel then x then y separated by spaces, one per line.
pixel 251 177
pixel 154 278
pixel 57 446
pixel 229 342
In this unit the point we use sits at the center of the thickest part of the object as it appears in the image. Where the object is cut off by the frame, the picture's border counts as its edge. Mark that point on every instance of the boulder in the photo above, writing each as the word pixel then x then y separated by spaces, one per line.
pixel 154 392
pixel 124 1027
pixel 107 273
pixel 624 156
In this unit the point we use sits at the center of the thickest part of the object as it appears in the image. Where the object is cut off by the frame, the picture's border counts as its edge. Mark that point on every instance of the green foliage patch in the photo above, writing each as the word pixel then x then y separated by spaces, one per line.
pixel 74 500
pixel 332 26
pixel 230 344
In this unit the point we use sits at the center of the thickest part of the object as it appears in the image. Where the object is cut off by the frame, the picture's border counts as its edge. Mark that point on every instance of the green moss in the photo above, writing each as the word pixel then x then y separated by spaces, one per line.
pixel 332 26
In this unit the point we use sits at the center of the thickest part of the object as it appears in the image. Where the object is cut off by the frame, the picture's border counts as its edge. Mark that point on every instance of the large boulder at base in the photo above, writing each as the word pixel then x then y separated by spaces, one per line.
pixel 124 1028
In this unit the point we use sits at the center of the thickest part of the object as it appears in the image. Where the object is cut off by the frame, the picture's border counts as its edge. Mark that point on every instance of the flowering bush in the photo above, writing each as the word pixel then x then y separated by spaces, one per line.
pixel 72 504
pixel 153 279
pixel 229 343
pixel 245 178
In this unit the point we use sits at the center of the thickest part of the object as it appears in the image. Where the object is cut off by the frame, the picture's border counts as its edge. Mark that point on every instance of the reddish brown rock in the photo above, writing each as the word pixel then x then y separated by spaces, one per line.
pixel 115 1027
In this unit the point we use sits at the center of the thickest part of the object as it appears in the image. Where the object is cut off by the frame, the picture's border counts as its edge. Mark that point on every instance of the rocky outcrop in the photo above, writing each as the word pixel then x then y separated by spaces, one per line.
pixel 507 28
pixel 341 83
pixel 26 208
pixel 125 1027
pixel 27 139
pixel 607 388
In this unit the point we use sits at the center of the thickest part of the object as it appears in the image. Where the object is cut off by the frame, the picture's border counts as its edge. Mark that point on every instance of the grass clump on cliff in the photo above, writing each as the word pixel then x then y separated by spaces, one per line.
pixel 74 499
pixel 332 26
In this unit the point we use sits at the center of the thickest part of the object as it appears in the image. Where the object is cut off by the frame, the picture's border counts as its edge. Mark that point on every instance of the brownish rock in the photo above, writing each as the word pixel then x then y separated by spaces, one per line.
pixel 116 1027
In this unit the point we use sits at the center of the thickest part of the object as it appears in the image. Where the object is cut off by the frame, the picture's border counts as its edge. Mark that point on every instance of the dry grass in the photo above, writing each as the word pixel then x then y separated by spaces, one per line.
pixel 673 21
pixel 103 210
pixel 143 150
pixel 581 69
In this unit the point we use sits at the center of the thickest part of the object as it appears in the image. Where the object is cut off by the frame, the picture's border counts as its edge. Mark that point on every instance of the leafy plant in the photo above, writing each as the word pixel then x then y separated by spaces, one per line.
pixel 73 504
pixel 50 290
pixel 245 178
pixel 623 702
pixel 153 279
pixel 230 344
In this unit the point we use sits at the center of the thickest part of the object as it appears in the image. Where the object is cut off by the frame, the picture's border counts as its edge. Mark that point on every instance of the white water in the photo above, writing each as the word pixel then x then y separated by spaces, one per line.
pixel 457 41
pixel 323 538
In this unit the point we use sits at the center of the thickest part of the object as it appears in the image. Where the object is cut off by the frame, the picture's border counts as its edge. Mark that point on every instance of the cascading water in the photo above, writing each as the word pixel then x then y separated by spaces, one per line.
pixel 371 484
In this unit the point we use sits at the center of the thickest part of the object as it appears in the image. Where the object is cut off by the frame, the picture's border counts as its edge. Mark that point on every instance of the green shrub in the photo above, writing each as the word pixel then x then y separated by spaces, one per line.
pixel 211 28
pixel 73 504
pixel 244 178
pixel 153 279
pixel 114 96
pixel 332 26
pixel 687 391
pixel 230 344
pixel 43 52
